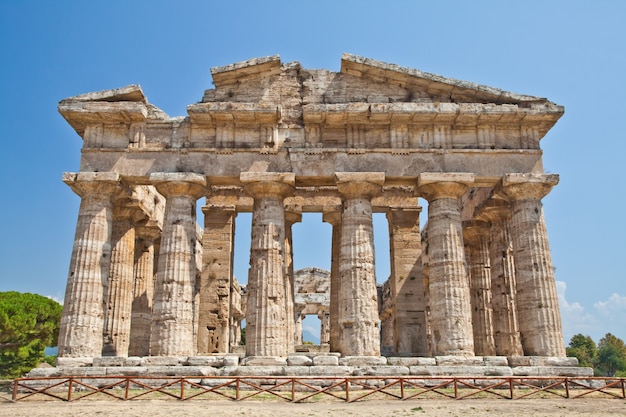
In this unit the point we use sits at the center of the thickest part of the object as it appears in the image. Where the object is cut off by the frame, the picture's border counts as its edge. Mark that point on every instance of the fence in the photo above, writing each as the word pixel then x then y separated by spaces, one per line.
pixel 315 388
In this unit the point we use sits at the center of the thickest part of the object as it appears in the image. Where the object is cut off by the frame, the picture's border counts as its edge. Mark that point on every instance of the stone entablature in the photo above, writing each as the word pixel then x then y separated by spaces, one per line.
pixel 278 140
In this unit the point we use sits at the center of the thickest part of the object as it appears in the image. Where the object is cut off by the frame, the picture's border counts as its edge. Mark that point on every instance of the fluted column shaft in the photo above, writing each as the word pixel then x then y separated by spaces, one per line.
pixel 407 284
pixel 266 321
pixel 143 291
pixel 119 294
pixel 215 280
pixel 324 327
pixel 82 320
pixel 292 215
pixel 334 218
pixel 537 302
pixel 173 313
pixel 505 325
pixel 358 306
pixel 449 295
pixel 476 235
pixel 298 328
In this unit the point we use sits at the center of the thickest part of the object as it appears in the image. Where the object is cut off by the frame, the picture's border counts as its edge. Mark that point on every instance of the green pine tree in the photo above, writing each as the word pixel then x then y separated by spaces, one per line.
pixel 28 324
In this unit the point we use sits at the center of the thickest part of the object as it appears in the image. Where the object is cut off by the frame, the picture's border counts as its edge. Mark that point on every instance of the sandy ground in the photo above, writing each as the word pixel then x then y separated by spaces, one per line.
pixel 425 407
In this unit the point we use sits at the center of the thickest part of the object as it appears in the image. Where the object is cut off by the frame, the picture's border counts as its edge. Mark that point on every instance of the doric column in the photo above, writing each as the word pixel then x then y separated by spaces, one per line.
pixel 324 317
pixel 407 285
pixel 119 293
pixel 82 320
pixel 143 290
pixel 172 313
pixel 449 296
pixel 505 326
pixel 334 219
pixel 476 234
pixel 292 215
pixel 358 306
pixel 298 328
pixel 266 320
pixel 537 304
pixel 236 313
pixel 215 279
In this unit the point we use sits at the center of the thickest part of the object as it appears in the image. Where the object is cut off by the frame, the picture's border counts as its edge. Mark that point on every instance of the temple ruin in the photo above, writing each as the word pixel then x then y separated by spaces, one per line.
pixel 148 279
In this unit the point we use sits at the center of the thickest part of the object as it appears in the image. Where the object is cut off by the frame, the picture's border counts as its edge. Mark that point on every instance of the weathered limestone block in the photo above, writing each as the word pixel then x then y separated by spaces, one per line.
pixel 571 371
pixel 133 361
pixel 215 280
pixel 381 370
pixel 82 320
pixel 559 361
pixel 325 361
pixel 402 361
pixel 107 361
pixel 363 361
pixel 178 370
pixel 476 235
pixel 266 321
pixel 358 311
pixel 263 361
pixel 262 370
pixel 70 362
pixel 331 370
pixel 216 361
pixel 125 370
pixel 293 360
pixel 448 370
pixel 164 360
pixel 448 289
pixel 537 304
pixel 297 370
pixel 542 361
pixel 459 360
pixel 228 370
pixel 491 370
pixel 496 361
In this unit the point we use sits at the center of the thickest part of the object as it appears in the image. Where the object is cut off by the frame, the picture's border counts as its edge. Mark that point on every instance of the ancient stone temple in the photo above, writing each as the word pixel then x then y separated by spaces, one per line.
pixel 147 278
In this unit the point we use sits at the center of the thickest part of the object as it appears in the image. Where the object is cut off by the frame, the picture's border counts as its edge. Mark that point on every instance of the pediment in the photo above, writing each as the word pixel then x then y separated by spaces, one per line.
pixel 426 84
pixel 362 89
pixel 359 80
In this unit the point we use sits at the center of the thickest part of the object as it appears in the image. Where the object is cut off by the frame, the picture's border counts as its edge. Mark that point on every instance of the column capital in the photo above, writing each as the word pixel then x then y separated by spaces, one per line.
pixel 268 184
pixel 148 232
pixel 360 184
pixel 293 214
pixel 332 217
pixel 403 215
pixel 172 184
pixel 436 185
pixel 106 185
pixel 473 230
pixel 493 210
pixel 518 187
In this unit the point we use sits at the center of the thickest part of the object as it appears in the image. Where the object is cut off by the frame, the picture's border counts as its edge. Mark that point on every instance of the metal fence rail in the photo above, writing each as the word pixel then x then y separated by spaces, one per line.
pixel 315 388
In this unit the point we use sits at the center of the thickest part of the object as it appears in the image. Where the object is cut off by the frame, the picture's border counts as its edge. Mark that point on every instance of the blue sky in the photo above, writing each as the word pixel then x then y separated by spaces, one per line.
pixel 572 52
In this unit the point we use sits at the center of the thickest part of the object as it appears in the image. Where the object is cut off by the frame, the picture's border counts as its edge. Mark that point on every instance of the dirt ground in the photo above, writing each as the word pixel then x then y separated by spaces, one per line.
pixel 425 407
